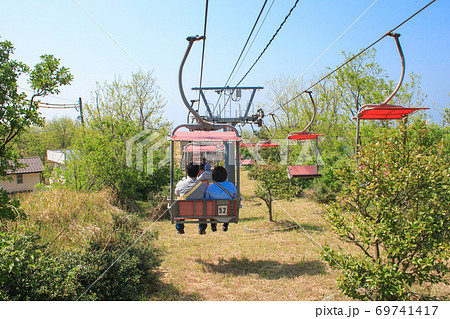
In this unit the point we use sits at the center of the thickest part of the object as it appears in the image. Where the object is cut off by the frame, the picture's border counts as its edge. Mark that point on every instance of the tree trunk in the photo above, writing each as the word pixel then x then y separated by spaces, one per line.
pixel 270 209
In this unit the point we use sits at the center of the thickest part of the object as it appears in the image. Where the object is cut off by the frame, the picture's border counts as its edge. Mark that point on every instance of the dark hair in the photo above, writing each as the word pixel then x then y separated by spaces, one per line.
pixel 219 174
pixel 192 170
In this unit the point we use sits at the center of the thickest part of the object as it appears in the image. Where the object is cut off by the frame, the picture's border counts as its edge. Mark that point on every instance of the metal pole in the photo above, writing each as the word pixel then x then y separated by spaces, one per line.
pixel 80 103
pixel 358 141
pixel 171 179
pixel 238 177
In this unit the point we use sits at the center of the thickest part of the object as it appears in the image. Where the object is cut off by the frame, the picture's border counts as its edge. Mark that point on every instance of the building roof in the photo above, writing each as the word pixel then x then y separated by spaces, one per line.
pixel 57 156
pixel 33 165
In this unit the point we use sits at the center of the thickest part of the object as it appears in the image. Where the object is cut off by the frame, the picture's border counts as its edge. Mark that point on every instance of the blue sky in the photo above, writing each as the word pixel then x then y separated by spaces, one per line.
pixel 151 35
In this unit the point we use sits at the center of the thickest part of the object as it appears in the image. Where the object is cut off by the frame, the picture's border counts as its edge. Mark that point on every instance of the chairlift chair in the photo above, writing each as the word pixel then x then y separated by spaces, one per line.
pixel 204 211
pixel 385 111
pixel 305 171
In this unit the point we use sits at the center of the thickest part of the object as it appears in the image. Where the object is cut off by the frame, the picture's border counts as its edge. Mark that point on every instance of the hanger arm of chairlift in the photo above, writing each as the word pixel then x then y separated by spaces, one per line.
pixel 203 124
pixel 402 75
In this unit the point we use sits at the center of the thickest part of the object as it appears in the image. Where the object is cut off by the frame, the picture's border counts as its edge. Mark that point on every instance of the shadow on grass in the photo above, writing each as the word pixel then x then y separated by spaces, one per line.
pixel 168 292
pixel 267 269
pixel 250 219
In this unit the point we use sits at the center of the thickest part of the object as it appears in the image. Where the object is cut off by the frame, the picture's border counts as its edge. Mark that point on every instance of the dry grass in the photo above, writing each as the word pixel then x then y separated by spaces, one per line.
pixel 76 217
pixel 251 265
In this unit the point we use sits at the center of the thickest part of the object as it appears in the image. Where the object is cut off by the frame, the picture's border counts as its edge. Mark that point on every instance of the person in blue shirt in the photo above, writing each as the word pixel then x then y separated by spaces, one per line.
pixel 220 189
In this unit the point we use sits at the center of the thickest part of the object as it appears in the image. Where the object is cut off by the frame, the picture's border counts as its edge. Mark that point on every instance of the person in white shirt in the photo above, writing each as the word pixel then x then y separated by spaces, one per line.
pixel 195 190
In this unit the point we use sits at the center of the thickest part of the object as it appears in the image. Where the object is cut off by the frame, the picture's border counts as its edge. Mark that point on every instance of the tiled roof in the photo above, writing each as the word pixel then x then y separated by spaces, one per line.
pixel 33 165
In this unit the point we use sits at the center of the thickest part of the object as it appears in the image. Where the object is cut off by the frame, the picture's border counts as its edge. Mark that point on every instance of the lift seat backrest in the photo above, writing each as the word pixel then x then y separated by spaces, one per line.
pixel 205 209
pixel 303 171
pixel 247 162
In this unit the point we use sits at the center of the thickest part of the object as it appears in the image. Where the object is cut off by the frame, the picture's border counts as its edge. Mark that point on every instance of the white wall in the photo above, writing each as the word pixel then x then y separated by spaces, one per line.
pixel 29 181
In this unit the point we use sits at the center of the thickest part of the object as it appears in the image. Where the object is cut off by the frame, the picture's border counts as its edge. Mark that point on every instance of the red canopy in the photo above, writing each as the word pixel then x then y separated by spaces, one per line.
pixel 204 136
pixel 247 145
pixel 268 144
pixel 386 112
pixel 303 135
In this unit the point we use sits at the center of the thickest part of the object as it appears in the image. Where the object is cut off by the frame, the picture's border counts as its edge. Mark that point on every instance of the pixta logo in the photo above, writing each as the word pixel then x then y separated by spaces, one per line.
pixel 146 144
pixel 305 151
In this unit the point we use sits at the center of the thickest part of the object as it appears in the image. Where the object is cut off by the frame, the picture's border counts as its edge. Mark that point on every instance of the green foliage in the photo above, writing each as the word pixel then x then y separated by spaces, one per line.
pixel 334 152
pixel 121 110
pixel 337 98
pixel 394 208
pixel 446 119
pixel 9 208
pixel 57 134
pixel 17 112
pixel 47 76
pixel 99 161
pixel 26 273
pixel 272 182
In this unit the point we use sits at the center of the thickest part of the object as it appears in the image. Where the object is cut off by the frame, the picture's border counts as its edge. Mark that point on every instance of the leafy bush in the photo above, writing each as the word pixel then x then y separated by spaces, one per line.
pixel 334 153
pixel 9 208
pixel 394 208
pixel 272 181
pixel 26 273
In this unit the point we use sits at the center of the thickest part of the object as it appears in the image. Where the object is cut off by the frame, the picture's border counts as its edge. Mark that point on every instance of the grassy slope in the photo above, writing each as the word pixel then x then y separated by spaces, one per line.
pixel 236 265
pixel 243 265
pixel 71 219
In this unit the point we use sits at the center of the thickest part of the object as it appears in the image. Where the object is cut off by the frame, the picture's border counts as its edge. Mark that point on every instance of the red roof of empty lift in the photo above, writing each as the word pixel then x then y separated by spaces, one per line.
pixel 303 135
pixel 268 144
pixel 204 136
pixel 386 112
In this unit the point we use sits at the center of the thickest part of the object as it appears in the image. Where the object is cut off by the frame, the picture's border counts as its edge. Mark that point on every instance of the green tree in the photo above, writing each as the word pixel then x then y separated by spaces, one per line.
pixel 273 183
pixel 56 134
pixel 446 117
pixel 138 101
pixel 120 111
pixel 17 112
pixel 394 208
pixel 338 98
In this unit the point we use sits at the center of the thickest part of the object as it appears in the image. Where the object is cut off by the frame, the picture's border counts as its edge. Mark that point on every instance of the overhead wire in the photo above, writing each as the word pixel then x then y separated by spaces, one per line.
pixel 53 97
pixel 243 49
pixel 266 47
pixel 329 47
pixel 269 43
pixel 203 52
pixel 55 105
pixel 254 38
pixel 143 233
pixel 246 42
pixel 351 59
